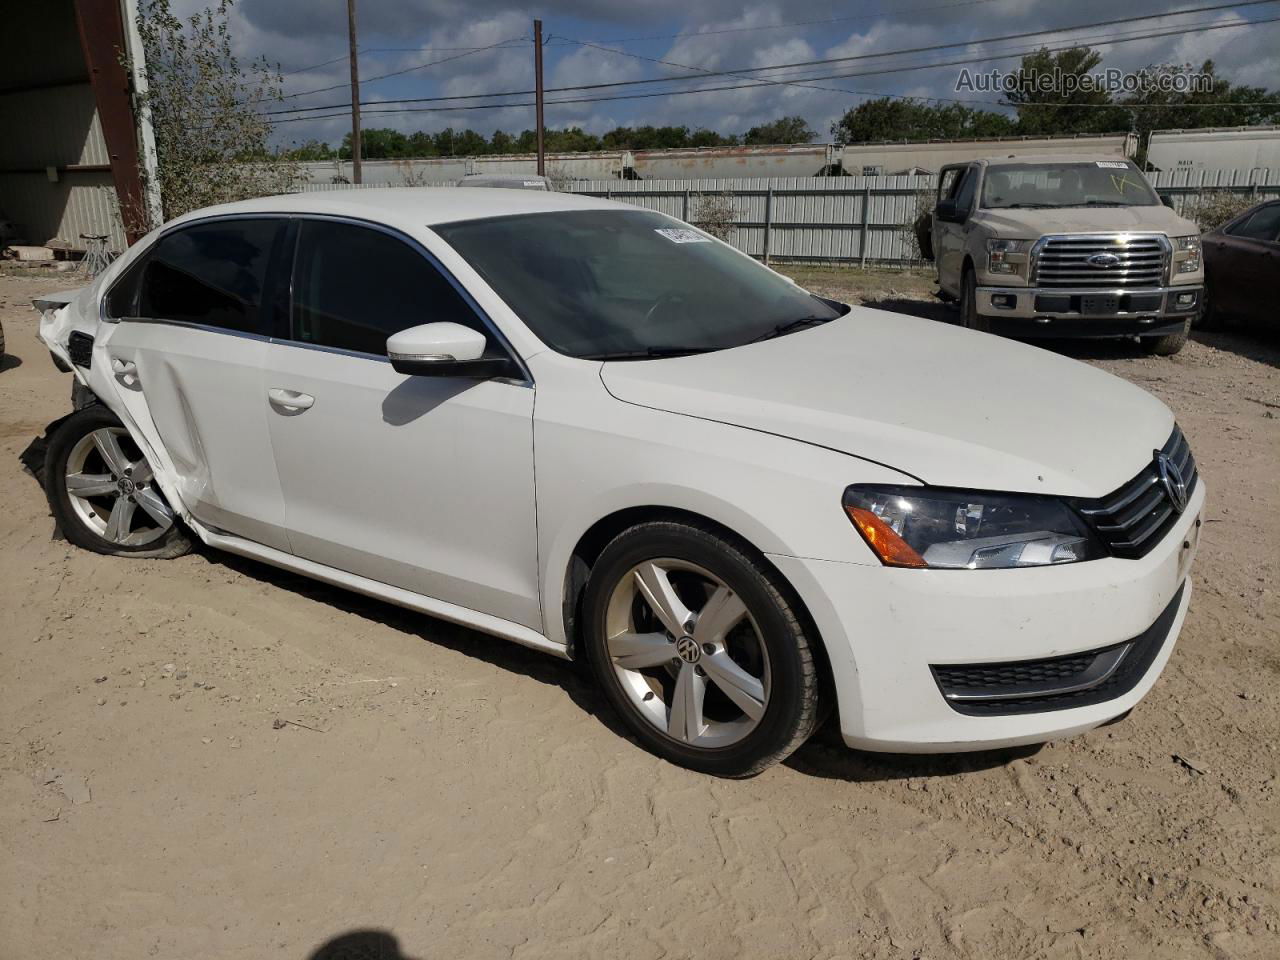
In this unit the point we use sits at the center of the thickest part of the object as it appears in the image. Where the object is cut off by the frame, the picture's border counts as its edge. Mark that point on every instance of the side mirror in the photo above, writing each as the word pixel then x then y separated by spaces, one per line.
pixel 947 212
pixel 444 350
pixel 1167 200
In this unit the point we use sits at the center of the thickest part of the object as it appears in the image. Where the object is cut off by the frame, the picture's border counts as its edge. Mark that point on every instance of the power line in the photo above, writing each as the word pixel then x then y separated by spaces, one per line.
pixel 1102 41
pixel 1120 38
pixel 423 66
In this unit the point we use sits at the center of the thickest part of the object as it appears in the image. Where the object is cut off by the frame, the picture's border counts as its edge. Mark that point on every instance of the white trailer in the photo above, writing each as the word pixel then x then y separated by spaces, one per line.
pixel 1255 149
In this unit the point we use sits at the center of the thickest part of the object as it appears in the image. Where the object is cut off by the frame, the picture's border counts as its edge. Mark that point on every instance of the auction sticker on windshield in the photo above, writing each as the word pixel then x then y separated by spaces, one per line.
pixel 1113 164
pixel 683 236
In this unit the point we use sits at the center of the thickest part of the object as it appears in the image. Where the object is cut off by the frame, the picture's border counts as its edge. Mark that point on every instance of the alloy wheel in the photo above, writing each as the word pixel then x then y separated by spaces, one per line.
pixel 687 653
pixel 112 489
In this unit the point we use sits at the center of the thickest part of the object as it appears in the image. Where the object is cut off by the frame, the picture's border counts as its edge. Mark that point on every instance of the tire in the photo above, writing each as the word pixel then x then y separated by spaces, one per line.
pixel 1 343
pixel 743 663
pixel 119 511
pixel 1169 344
pixel 1207 318
pixel 969 316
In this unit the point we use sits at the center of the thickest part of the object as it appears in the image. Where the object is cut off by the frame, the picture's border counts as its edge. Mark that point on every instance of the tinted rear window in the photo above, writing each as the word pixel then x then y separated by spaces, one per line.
pixel 212 274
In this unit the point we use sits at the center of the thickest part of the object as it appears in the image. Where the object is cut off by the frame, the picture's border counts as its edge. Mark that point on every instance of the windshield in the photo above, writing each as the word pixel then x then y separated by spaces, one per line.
pixel 629 284
pixel 1093 183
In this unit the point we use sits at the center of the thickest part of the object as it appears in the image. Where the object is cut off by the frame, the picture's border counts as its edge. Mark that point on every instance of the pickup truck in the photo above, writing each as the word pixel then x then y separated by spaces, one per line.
pixel 1065 246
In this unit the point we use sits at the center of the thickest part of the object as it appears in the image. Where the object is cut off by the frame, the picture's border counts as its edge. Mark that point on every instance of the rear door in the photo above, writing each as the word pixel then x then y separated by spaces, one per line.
pixel 193 326
pixel 420 482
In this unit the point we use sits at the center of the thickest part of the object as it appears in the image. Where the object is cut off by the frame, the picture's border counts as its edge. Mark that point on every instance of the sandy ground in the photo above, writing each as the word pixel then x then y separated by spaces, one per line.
pixel 209 758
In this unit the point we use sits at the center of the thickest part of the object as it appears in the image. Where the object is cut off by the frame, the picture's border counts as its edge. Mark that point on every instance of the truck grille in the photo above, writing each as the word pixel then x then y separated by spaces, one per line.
pixel 1135 517
pixel 1110 262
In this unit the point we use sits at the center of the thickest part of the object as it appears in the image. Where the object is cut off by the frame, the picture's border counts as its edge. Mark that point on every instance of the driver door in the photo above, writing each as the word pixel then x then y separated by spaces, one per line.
pixel 420 482
pixel 957 185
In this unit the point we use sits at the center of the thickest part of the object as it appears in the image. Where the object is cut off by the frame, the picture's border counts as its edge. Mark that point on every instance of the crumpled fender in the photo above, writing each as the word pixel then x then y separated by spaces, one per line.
pixel 69 311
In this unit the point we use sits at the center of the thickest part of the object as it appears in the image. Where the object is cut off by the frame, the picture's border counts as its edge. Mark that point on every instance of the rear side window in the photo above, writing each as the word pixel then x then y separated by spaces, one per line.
pixel 211 273
pixel 1263 225
pixel 353 287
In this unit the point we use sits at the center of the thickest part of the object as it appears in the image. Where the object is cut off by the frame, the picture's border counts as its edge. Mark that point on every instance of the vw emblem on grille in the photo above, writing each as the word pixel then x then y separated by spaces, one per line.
pixel 1103 260
pixel 1171 478
pixel 688 649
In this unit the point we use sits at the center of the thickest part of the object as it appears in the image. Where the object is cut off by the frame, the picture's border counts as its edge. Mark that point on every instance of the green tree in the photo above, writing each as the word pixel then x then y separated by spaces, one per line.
pixel 377 143
pixel 1062 107
pixel 211 136
pixel 782 130
pixel 1219 103
pixel 907 119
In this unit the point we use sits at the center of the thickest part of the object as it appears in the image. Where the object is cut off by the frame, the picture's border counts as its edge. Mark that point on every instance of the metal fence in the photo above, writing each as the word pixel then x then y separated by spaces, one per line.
pixel 865 220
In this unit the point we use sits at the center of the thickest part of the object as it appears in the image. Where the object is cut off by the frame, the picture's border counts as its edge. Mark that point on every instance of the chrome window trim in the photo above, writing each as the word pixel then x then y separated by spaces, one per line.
pixel 417 245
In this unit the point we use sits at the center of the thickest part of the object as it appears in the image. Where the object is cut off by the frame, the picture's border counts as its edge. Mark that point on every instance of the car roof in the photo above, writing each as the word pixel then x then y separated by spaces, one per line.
pixel 1053 158
pixel 420 205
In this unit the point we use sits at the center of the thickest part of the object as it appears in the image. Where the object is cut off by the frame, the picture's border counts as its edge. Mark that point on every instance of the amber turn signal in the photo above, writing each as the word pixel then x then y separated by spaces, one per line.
pixel 892 550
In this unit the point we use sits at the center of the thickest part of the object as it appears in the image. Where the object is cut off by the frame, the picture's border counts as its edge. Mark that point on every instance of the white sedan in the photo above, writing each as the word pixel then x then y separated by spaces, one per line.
pixel 596 431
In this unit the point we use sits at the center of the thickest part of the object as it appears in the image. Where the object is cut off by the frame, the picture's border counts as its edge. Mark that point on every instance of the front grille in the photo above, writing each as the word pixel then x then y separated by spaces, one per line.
pixel 80 349
pixel 1139 261
pixel 1134 518
pixel 1055 683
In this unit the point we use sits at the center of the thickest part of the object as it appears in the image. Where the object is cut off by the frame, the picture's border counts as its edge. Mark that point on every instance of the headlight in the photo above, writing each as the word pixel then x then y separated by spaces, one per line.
pixel 967 529
pixel 998 255
pixel 1187 253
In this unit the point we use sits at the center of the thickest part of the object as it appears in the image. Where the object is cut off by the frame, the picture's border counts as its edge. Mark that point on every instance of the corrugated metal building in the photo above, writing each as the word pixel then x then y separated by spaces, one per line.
pixel 69 154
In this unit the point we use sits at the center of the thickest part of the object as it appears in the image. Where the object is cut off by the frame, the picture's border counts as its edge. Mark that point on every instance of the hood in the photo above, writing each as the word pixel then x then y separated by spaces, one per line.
pixel 948 406
pixel 1032 224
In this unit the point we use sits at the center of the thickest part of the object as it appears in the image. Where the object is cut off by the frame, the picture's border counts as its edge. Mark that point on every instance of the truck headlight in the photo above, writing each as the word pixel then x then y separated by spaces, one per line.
pixel 967 529
pixel 1187 253
pixel 998 255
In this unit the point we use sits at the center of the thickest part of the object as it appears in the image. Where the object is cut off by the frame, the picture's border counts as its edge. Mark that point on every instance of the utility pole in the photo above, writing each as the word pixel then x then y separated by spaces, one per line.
pixel 355 94
pixel 537 84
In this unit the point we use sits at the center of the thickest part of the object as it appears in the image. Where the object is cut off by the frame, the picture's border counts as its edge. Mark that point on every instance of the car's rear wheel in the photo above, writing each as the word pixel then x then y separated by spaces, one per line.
pixel 699 649
pixel 103 493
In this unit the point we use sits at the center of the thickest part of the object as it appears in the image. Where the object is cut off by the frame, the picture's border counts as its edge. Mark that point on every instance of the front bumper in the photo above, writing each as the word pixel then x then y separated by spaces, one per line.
pixel 886 629
pixel 1055 312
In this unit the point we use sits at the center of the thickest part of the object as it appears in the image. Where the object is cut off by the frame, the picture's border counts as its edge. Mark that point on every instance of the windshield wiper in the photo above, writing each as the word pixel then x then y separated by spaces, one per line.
pixel 1107 203
pixel 1028 206
pixel 649 353
pixel 783 329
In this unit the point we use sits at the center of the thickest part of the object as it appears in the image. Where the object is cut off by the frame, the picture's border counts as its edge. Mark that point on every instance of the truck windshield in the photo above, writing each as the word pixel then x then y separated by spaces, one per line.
pixel 630 284
pixel 1093 183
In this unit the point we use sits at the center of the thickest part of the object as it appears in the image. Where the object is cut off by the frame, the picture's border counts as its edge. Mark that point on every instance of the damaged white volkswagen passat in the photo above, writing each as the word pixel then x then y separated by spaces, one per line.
pixel 598 432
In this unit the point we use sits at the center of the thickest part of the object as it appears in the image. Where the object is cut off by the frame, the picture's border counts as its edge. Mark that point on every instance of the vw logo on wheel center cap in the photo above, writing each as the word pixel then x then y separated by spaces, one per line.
pixel 688 649
pixel 125 486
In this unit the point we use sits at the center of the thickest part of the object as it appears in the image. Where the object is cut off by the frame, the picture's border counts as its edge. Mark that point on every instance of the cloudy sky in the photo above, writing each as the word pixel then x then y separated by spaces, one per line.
pixel 452 48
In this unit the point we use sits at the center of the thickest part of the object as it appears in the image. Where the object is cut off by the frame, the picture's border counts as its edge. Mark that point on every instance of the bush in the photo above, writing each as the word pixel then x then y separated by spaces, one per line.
pixel 715 213
pixel 1213 208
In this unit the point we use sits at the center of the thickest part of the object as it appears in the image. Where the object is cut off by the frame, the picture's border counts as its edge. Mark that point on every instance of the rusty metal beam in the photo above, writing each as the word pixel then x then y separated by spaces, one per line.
pixel 102 40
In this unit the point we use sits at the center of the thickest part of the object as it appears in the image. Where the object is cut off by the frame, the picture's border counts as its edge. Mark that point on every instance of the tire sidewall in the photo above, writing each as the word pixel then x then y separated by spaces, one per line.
pixel 69 433
pixel 783 642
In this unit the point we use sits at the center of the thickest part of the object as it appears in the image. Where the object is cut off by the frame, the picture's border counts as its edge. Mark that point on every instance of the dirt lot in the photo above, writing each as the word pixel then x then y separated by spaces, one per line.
pixel 210 758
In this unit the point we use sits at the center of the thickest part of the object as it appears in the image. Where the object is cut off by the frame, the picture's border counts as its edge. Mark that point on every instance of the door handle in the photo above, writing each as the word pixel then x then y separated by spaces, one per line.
pixel 290 401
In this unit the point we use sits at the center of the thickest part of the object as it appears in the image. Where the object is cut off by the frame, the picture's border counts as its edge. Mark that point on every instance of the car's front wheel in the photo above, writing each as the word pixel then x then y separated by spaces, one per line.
pixel 699 648
pixel 103 493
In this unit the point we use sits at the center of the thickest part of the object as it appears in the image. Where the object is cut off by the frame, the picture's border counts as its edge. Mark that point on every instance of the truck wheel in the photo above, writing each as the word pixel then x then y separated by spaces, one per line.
pixel 1169 344
pixel 969 316
pixel 1207 319
pixel 1 343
